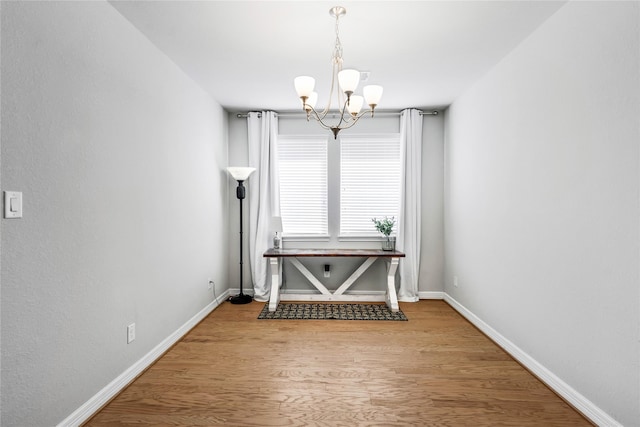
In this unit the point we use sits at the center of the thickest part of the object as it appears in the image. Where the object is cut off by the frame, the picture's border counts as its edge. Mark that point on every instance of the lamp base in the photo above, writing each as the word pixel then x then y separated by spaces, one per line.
pixel 241 299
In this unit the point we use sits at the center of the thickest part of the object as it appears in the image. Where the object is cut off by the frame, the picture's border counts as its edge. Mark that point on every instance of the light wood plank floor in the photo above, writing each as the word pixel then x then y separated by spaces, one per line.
pixel 434 370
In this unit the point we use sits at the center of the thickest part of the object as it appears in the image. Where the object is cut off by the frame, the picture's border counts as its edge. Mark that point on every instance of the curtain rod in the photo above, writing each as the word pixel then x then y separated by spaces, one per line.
pixel 382 113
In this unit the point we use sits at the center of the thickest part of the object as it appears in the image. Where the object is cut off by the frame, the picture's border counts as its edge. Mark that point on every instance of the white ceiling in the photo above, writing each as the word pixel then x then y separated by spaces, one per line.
pixel 247 53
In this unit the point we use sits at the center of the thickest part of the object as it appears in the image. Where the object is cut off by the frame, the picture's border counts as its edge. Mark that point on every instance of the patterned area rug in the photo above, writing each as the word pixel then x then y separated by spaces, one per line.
pixel 300 311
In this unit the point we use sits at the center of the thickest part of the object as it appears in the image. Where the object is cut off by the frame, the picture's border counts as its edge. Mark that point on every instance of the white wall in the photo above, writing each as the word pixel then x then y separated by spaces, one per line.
pixel 541 201
pixel 432 260
pixel 431 278
pixel 0 226
pixel 120 159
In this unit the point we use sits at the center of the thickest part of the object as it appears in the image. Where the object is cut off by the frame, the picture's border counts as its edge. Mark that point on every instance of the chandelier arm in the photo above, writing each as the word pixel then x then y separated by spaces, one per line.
pixel 335 69
pixel 346 120
pixel 353 119
pixel 345 112
pixel 312 113
pixel 351 122
pixel 317 117
pixel 328 107
pixel 362 113
pixel 341 114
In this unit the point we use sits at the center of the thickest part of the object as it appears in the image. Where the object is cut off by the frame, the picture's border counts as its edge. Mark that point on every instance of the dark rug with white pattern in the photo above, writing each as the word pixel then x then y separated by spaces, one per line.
pixel 302 311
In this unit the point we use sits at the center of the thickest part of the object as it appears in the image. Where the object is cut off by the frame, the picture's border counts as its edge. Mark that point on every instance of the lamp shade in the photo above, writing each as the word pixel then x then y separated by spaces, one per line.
pixel 355 104
pixel 349 80
pixel 372 94
pixel 304 85
pixel 276 223
pixel 240 173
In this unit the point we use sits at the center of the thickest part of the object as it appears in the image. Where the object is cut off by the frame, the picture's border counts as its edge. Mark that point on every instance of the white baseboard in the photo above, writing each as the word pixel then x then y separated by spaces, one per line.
pixel 362 295
pixel 369 297
pixel 581 403
pixel 236 291
pixel 93 405
pixel 431 295
pixel 357 295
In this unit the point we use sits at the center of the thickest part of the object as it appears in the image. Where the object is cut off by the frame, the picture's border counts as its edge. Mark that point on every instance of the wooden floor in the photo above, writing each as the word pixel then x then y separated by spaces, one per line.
pixel 434 370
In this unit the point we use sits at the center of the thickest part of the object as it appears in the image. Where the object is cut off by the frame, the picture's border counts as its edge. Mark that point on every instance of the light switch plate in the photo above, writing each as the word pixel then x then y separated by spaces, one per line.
pixel 13 204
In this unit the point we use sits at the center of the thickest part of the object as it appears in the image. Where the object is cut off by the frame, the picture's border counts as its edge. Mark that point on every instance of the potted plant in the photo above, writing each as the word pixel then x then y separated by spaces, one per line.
pixel 385 226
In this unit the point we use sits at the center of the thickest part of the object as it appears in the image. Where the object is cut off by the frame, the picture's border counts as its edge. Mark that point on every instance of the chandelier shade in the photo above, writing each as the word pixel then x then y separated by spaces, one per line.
pixel 304 85
pixel 372 94
pixel 344 83
pixel 355 104
pixel 349 80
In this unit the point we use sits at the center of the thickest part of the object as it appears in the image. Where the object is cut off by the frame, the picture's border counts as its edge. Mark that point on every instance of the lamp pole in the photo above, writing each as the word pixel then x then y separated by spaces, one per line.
pixel 241 298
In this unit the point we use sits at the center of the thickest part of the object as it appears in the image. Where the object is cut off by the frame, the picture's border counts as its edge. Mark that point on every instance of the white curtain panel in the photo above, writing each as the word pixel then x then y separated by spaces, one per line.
pixel 264 197
pixel 410 204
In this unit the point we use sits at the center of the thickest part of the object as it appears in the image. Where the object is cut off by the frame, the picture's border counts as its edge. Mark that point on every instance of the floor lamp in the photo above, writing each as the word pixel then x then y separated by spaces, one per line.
pixel 240 174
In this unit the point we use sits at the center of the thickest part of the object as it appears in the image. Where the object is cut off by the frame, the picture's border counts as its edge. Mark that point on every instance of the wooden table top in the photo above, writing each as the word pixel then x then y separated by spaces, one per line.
pixel 277 253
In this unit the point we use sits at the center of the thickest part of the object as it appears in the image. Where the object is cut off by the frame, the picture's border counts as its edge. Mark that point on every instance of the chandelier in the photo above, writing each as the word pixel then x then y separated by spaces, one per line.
pixel 349 105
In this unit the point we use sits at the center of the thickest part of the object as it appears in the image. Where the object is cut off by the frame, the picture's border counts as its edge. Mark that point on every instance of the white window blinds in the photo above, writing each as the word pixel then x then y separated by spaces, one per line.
pixel 302 163
pixel 370 182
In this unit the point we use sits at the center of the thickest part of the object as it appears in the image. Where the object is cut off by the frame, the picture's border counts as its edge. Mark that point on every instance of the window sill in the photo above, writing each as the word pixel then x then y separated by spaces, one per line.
pixel 327 238
pixel 348 238
pixel 306 238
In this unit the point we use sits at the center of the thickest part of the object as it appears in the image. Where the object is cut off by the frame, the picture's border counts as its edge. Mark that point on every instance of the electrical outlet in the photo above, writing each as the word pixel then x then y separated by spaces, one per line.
pixel 210 285
pixel 455 281
pixel 131 333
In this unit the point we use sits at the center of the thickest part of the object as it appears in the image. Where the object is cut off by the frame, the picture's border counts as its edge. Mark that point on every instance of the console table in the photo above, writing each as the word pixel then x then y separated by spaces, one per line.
pixel 276 255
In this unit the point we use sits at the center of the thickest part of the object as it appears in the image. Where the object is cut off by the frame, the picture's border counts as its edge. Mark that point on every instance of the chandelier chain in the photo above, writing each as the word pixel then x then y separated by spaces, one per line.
pixel 337 50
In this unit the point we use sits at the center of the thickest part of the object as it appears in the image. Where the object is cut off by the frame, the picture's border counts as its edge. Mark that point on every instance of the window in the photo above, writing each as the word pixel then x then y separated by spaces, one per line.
pixel 334 188
pixel 369 182
pixel 302 162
